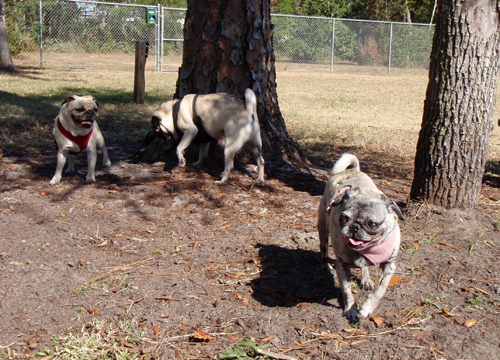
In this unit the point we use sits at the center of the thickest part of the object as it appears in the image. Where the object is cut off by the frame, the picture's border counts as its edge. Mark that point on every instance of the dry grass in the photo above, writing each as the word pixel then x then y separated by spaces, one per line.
pixel 358 112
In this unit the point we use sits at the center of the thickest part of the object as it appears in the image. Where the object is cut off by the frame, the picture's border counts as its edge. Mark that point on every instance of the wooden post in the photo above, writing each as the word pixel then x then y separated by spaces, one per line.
pixel 139 75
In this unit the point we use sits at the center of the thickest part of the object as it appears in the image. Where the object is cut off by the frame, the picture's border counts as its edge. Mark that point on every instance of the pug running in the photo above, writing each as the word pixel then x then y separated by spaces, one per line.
pixel 363 226
pixel 76 129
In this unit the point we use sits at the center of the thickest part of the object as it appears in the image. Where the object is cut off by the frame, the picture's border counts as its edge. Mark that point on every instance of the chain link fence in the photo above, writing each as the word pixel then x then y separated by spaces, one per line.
pixel 101 36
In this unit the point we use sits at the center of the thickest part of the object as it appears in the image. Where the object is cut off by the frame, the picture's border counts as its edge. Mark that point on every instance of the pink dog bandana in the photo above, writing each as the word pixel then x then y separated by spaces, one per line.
pixel 81 140
pixel 379 253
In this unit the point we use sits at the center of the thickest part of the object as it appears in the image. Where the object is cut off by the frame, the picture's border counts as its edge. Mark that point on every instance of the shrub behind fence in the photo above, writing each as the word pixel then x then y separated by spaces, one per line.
pixel 101 36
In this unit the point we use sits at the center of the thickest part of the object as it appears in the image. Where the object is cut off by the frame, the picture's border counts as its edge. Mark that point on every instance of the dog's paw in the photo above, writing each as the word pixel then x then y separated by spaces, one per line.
pixel 352 314
pixel 368 284
pixel 107 163
pixel 90 179
pixel 259 181
pixel 364 313
pixel 220 182
pixel 55 181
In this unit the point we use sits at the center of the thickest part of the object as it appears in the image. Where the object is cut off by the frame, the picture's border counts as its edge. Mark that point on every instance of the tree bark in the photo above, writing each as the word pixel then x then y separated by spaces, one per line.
pixel 457 121
pixel 5 57
pixel 227 48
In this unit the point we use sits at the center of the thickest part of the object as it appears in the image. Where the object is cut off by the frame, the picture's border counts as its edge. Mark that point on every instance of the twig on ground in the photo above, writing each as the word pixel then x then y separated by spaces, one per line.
pixel 275 355
pixel 115 271
pixel 424 348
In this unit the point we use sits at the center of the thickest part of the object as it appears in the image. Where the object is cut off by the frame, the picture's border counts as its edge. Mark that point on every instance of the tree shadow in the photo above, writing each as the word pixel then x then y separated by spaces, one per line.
pixel 292 276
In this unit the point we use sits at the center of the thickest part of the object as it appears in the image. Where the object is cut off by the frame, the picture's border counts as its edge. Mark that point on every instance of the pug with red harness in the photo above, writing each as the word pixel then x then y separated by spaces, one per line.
pixel 362 224
pixel 76 129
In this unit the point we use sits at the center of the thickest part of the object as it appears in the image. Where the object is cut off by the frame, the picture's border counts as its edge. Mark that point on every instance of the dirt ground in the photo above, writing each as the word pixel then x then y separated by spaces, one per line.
pixel 165 255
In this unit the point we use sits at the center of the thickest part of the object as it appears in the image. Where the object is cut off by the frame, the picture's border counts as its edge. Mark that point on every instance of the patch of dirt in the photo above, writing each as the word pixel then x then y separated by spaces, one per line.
pixel 168 253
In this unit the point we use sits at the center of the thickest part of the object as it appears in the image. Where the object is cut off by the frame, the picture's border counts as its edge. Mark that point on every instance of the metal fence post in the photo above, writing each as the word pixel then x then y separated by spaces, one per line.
pixel 41 33
pixel 333 45
pixel 390 49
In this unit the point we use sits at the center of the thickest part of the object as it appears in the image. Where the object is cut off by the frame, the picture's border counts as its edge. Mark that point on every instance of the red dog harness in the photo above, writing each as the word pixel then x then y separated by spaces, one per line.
pixel 81 140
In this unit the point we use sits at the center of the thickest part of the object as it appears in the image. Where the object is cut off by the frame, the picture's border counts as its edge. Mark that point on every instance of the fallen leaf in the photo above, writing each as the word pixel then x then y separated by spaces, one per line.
pixel 239 296
pixel 225 226
pixel 377 320
pixel 201 335
pixel 446 313
pixel 297 226
pixel 266 340
pixel 113 191
pixel 165 316
pixel 302 304
pixel 48 357
pixel 93 312
pixel 233 337
pixel 395 280
pixel 359 342
pixel 331 336
pixel 196 244
pixel 31 341
pixel 62 215
pixel 105 242
pixel 470 322
pixel 44 192
pixel 141 325
pixel 356 331
pixel 115 289
pixel 237 275
pixel 156 331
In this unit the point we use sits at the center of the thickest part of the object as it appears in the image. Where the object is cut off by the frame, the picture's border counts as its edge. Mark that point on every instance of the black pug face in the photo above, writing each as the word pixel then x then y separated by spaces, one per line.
pixel 159 129
pixel 364 223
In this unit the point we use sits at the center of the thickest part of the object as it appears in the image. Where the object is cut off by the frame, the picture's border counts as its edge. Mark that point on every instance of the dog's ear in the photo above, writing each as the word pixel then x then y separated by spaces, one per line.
pixel 95 100
pixel 68 99
pixel 392 206
pixel 341 195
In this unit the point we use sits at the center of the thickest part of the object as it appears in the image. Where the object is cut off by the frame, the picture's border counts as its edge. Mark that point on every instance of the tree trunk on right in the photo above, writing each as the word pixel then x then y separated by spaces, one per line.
pixel 5 58
pixel 453 143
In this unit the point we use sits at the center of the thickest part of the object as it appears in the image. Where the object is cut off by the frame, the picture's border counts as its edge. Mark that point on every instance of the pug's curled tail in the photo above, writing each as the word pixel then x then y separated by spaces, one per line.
pixel 251 103
pixel 346 161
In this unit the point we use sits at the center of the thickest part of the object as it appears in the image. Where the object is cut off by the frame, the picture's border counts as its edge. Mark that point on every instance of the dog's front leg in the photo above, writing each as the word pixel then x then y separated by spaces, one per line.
pixel 71 164
pixel 187 138
pixel 91 161
pixel 102 145
pixel 374 298
pixel 61 160
pixel 344 277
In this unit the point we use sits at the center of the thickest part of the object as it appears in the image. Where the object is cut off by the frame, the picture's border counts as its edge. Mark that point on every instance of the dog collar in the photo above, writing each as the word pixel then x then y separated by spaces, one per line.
pixel 81 140
pixel 382 252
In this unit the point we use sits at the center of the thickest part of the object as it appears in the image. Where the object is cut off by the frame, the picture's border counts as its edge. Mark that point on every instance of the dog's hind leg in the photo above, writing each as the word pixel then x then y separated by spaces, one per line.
pixel 231 147
pixel 203 154
pixel 257 154
pixel 71 163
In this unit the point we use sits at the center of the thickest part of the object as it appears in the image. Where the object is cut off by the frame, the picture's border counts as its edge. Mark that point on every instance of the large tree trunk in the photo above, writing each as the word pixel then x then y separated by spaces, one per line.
pixel 457 121
pixel 5 58
pixel 227 48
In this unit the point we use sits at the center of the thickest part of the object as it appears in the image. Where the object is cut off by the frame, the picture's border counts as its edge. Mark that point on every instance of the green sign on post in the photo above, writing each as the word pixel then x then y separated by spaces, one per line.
pixel 150 15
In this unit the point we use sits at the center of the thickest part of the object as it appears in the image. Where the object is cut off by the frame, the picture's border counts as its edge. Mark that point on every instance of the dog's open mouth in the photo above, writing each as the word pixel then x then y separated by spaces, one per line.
pixel 360 244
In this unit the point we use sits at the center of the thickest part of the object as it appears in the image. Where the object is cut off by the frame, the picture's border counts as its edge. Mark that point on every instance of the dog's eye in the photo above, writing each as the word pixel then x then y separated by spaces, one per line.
pixel 372 224
pixel 80 109
pixel 343 219
pixel 96 109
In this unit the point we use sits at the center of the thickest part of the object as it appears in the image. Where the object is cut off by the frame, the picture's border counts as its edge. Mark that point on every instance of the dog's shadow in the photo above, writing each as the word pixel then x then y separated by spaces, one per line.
pixel 292 276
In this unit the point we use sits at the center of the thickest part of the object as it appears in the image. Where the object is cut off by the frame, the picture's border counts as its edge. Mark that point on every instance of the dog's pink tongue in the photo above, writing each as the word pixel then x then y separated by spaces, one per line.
pixel 87 123
pixel 356 242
